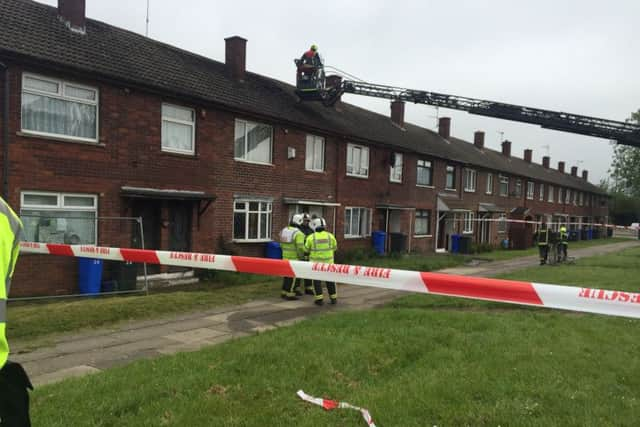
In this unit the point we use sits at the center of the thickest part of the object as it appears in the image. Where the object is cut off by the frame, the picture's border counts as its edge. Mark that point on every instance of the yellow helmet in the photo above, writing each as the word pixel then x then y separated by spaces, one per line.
pixel 563 229
pixel 314 47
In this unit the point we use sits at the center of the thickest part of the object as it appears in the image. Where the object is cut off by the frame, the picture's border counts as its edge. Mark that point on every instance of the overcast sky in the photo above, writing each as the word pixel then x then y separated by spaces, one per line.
pixel 578 56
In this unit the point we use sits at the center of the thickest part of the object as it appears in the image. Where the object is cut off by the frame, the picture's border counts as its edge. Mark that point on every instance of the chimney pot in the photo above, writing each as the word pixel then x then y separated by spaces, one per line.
pixel 72 13
pixel 397 112
pixel 574 171
pixel 561 167
pixel 444 127
pixel 236 57
pixel 528 155
pixel 478 139
pixel 506 148
pixel 585 175
pixel 546 161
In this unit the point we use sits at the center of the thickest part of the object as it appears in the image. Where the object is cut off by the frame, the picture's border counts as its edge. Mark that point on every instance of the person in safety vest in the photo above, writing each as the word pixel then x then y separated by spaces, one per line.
pixel 306 229
pixel 14 382
pixel 292 244
pixel 563 245
pixel 321 245
pixel 543 243
pixel 310 61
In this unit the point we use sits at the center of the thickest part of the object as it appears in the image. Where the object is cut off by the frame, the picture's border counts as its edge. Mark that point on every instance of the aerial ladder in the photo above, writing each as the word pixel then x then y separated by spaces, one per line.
pixel 315 87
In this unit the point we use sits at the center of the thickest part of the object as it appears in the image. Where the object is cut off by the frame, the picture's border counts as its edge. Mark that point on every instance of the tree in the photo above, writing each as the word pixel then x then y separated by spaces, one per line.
pixel 625 168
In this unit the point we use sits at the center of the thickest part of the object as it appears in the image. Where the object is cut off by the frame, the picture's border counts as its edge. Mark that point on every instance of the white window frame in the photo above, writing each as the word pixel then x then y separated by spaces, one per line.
pixel 517 188
pixel 362 171
pixel 420 215
pixel 449 168
pixel 560 195
pixel 502 223
pixel 247 211
pixel 467 222
pixel 61 206
pixel 192 124
pixel 541 193
pixel 470 180
pixel 531 188
pixel 503 179
pixel 395 171
pixel 348 233
pixel 246 142
pixel 567 196
pixel 427 165
pixel 310 151
pixel 489 188
pixel 550 196
pixel 60 94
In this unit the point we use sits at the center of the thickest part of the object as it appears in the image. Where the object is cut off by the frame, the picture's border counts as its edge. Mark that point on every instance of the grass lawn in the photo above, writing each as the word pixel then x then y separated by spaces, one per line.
pixel 420 361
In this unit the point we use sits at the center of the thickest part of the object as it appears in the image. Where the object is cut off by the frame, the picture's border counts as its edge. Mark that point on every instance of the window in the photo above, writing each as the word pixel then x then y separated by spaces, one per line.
pixel 395 174
pixel 567 196
pixel 518 189
pixel 550 194
pixel 178 129
pixel 314 155
pixel 357 160
pixel 581 199
pixel 59 108
pixel 425 173
pixel 59 217
pixel 467 218
pixel 489 189
pixel 504 185
pixel 541 194
pixel 530 189
pixel 451 178
pixel 470 180
pixel 560 199
pixel 502 223
pixel 253 142
pixel 357 222
pixel 251 220
pixel 423 223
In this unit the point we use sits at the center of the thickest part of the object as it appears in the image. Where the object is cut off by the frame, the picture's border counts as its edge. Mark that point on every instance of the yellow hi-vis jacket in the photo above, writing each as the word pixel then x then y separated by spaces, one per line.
pixel 10 232
pixel 292 243
pixel 321 246
pixel 543 237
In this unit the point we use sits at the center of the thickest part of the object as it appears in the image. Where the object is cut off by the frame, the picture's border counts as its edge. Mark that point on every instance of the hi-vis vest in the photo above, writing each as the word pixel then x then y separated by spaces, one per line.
pixel 564 237
pixel 10 231
pixel 292 243
pixel 543 237
pixel 321 246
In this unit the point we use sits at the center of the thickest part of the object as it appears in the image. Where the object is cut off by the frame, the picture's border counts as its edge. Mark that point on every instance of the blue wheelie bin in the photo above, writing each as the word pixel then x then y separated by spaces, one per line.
pixel 89 275
pixel 273 250
pixel 455 243
pixel 379 238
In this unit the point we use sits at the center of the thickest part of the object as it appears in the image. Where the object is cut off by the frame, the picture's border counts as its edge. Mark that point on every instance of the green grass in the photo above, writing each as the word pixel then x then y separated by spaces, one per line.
pixel 420 361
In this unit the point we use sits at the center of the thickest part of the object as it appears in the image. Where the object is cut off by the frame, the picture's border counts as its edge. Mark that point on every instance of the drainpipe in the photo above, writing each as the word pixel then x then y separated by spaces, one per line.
pixel 5 134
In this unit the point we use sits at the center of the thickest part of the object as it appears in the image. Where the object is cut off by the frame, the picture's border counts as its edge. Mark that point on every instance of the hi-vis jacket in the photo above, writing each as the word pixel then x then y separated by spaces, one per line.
pixel 292 243
pixel 543 237
pixel 321 246
pixel 10 232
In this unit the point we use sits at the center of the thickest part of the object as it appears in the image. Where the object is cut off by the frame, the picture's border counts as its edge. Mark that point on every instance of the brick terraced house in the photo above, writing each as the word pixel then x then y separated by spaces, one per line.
pixel 106 123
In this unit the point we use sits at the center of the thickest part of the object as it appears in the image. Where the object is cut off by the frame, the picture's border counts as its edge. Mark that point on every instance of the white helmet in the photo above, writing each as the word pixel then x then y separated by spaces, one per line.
pixel 297 219
pixel 317 223
pixel 306 217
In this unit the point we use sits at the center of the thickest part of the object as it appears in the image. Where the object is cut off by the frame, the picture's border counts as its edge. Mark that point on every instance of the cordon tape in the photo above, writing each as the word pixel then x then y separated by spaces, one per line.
pixel 600 301
pixel 329 405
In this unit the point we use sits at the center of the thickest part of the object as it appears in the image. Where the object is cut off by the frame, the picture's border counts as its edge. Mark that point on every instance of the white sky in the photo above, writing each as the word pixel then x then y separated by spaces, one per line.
pixel 578 56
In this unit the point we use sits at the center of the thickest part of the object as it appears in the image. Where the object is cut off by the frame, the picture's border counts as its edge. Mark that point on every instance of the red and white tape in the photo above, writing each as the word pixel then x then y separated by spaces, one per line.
pixel 329 405
pixel 609 302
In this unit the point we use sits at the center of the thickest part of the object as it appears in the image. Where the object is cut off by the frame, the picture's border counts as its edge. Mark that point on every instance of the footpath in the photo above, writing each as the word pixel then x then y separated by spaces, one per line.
pixel 93 351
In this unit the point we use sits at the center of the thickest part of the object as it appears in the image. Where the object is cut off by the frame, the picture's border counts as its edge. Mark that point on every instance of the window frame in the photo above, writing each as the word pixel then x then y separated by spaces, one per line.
pixel 489 186
pixel 469 175
pixel 550 196
pixel 423 166
pixel 503 179
pixel 314 140
pixel 180 122
pixel 244 159
pixel 426 213
pixel 517 188
pixel 450 169
pixel 360 209
pixel 395 166
pixel 467 222
pixel 541 193
pixel 531 189
pixel 246 212
pixel 501 224
pixel 363 149
pixel 60 94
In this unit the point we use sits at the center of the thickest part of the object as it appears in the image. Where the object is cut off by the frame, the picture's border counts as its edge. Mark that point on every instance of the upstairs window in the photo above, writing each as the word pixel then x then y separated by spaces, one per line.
pixel 504 185
pixel 395 174
pixel 530 189
pixel 470 180
pixel 425 173
pixel 550 194
pixel 357 160
pixel 560 199
pixel 541 194
pixel 314 155
pixel 489 189
pixel 253 142
pixel 567 196
pixel 178 129
pixel 53 107
pixel 518 189
pixel 450 183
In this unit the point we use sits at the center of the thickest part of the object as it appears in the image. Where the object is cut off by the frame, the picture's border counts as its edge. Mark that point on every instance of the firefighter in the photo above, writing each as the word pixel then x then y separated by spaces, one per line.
pixel 14 382
pixel 543 243
pixel 321 245
pixel 292 244
pixel 306 219
pixel 563 245
pixel 311 57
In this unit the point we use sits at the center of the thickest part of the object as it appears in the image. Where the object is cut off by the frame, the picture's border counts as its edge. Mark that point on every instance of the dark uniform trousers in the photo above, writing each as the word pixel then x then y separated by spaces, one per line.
pixel 14 396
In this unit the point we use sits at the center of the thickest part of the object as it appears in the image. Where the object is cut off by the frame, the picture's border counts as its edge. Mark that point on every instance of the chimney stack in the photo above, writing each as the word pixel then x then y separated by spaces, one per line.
pixel 506 148
pixel 585 175
pixel 528 155
pixel 236 57
pixel 397 112
pixel 546 161
pixel 444 127
pixel 72 13
pixel 478 139
pixel 574 171
pixel 561 167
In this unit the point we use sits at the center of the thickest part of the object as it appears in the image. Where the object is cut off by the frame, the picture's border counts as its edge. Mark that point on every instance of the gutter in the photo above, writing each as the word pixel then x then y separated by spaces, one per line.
pixel 5 133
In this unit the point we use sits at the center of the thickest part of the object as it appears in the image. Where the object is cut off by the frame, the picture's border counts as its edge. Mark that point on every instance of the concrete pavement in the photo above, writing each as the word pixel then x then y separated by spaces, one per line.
pixel 80 354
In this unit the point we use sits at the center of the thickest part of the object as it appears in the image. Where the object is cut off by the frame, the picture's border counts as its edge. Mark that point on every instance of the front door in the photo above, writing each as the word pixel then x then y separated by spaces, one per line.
pixel 150 211
pixel 179 228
